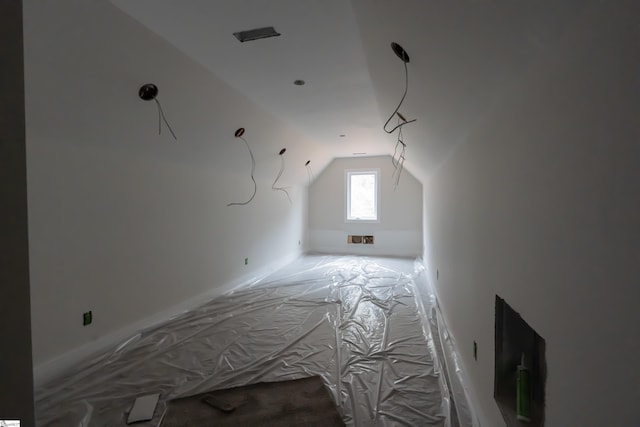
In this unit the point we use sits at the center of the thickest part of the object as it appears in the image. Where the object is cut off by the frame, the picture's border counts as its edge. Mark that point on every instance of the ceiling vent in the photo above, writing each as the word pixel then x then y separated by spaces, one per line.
pixel 257 34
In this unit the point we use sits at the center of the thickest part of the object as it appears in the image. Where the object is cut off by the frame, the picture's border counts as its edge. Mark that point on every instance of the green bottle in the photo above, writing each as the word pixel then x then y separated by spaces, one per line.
pixel 523 402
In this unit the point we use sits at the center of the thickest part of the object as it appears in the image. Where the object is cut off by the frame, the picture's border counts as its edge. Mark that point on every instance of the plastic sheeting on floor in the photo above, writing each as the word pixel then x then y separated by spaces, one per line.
pixel 357 322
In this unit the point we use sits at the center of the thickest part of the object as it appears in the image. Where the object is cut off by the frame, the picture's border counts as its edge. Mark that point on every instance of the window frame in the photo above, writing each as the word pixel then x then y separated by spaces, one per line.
pixel 347 194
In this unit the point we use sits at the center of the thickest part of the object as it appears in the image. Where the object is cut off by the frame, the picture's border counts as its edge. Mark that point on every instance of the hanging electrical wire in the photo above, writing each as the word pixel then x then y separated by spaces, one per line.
pixel 309 172
pixel 239 134
pixel 399 152
pixel 162 117
pixel 399 144
pixel 404 57
pixel 273 186
pixel 398 159
pixel 149 92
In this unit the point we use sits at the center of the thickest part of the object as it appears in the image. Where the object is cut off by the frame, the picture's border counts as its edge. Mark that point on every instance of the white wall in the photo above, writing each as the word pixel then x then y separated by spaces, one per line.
pixel 542 208
pixel 125 222
pixel 399 231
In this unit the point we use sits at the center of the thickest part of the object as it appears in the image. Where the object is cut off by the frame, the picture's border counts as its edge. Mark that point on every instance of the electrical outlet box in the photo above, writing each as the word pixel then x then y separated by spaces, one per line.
pixel 246 261
pixel 475 350
pixel 360 240
pixel 87 318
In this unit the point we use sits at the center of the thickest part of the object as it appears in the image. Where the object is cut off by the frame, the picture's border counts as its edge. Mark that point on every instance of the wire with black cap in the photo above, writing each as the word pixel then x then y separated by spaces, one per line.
pixel 149 92
pixel 404 57
pixel 239 134
pixel 273 186
pixel 399 152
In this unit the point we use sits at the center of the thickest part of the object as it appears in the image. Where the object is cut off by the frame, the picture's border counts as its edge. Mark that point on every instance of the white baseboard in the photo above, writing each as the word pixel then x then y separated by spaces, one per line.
pixel 475 411
pixel 57 366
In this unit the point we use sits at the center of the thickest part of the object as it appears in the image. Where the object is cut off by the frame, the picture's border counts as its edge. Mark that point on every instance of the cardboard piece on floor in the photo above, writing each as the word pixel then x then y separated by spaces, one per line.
pixel 143 408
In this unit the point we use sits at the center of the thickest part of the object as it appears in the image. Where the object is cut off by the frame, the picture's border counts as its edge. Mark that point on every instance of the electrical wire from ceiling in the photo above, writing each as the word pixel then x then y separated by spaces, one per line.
pixel 398 158
pixel 399 152
pixel 402 54
pixel 273 186
pixel 309 171
pixel 162 117
pixel 239 134
pixel 149 92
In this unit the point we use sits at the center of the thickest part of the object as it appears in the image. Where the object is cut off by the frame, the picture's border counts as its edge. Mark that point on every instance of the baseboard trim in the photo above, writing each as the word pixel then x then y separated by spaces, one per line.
pixel 59 365
pixel 472 413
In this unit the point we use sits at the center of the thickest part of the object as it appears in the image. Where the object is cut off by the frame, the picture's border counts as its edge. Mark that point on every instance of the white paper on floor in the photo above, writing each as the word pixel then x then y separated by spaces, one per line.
pixel 355 321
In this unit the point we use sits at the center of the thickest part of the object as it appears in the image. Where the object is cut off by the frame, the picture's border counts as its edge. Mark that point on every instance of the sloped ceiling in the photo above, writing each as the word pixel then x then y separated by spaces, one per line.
pixel 464 57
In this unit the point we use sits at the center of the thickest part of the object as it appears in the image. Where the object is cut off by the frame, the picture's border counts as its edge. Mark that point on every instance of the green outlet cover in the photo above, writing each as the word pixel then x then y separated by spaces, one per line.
pixel 87 318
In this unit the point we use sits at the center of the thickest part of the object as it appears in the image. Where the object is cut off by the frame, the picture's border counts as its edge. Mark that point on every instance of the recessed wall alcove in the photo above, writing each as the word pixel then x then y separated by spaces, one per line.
pixel 514 338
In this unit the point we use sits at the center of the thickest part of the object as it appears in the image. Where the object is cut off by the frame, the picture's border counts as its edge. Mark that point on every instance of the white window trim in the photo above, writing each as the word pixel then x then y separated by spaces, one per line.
pixel 347 190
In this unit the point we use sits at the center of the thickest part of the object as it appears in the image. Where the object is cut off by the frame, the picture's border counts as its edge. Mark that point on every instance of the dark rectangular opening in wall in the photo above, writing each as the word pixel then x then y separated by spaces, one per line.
pixel 515 338
pixel 363 240
pixel 354 239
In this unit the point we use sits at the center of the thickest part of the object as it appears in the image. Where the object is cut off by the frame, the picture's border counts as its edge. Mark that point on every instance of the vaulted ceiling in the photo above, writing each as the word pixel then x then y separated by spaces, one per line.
pixel 464 56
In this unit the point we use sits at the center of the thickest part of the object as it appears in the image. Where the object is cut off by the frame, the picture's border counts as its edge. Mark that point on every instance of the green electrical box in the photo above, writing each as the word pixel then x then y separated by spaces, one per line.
pixel 87 318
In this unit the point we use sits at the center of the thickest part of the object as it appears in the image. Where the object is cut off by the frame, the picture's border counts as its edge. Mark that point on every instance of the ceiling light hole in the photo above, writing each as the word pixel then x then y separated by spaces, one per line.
pixel 400 52
pixel 299 82
pixel 148 92
pixel 256 34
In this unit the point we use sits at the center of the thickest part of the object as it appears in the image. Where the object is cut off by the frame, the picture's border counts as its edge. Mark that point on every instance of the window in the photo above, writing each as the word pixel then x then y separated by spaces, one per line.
pixel 362 195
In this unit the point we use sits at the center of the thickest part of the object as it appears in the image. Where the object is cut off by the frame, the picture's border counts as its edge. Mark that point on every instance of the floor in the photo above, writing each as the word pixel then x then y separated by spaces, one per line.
pixel 355 321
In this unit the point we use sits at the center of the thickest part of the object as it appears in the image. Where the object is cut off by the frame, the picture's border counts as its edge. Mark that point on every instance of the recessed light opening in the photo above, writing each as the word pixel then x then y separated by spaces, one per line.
pixel 400 52
pixel 256 34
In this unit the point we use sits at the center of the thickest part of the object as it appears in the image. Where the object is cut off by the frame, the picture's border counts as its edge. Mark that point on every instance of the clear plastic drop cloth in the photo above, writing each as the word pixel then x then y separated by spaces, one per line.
pixel 358 322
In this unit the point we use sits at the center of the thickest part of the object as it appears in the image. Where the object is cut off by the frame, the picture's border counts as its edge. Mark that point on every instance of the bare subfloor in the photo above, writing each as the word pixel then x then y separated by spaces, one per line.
pixel 354 321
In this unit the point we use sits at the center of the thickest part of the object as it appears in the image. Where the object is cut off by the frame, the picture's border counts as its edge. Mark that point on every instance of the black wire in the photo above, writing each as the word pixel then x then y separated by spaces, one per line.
pixel 162 117
pixel 406 88
pixel 253 169
pixel 273 186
